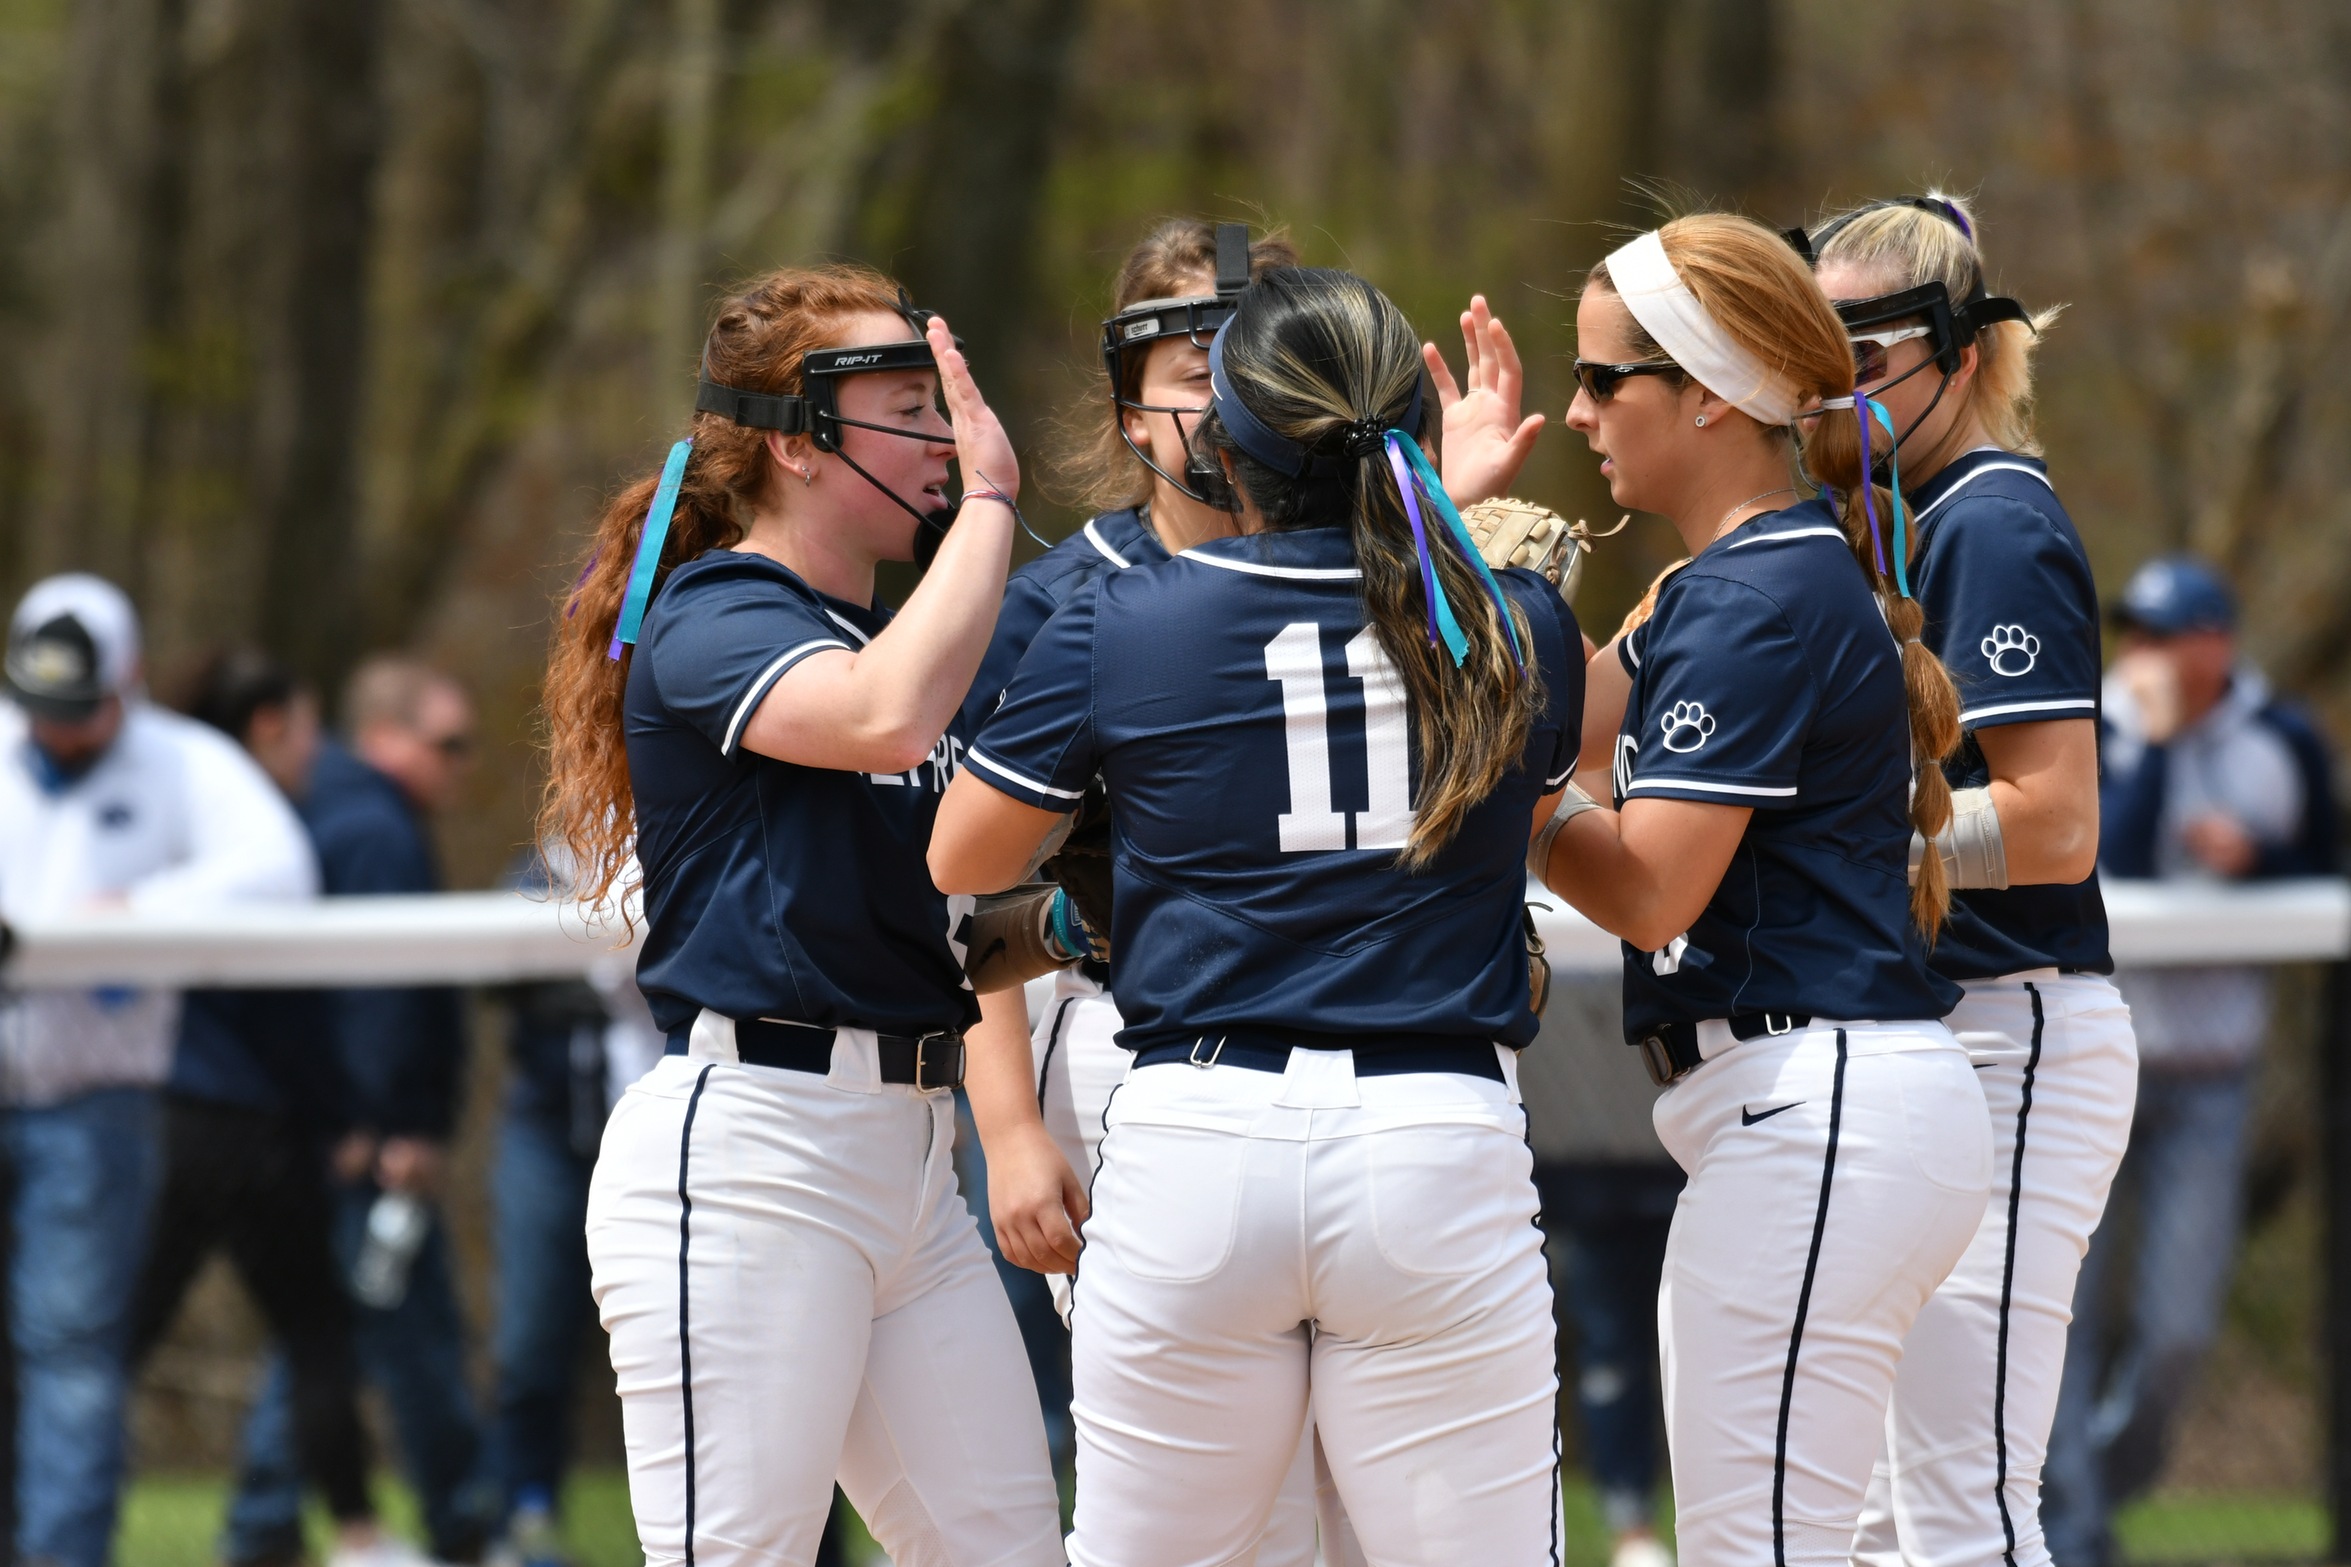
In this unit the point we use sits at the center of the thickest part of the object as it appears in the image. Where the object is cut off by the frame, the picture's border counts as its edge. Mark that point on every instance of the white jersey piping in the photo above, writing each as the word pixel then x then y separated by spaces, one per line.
pixel 1102 545
pixel 768 677
pixel 1297 573
pixel 1022 779
pixel 1990 467
pixel 2068 704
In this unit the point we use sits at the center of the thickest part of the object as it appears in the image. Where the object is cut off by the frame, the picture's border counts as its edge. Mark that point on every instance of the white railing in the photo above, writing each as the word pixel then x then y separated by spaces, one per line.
pixel 471 938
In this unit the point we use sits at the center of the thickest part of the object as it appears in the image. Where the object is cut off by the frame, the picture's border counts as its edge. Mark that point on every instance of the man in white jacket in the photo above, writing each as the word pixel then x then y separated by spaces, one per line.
pixel 106 802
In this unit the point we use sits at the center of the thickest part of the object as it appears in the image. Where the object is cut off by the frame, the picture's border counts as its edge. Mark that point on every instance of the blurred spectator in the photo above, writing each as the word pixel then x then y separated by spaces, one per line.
pixel 254 1107
pixel 1608 1190
pixel 2207 777
pixel 106 802
pixel 573 1047
pixel 410 732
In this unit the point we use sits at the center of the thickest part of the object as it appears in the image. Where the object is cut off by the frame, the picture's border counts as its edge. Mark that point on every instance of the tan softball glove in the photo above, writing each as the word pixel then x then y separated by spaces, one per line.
pixel 1512 532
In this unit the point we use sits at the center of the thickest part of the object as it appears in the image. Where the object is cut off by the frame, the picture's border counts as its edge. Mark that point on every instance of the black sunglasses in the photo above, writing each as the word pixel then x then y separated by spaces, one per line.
pixel 1599 381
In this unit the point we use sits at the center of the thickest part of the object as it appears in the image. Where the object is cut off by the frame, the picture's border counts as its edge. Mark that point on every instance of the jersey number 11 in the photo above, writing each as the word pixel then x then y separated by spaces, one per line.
pixel 1294 660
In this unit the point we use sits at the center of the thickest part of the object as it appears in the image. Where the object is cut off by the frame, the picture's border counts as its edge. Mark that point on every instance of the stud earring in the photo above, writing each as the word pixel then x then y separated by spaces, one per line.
pixel 807 476
pixel 1701 421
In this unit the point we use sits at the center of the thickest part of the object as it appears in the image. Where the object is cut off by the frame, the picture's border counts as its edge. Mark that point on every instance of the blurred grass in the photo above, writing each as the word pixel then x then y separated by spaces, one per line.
pixel 173 1521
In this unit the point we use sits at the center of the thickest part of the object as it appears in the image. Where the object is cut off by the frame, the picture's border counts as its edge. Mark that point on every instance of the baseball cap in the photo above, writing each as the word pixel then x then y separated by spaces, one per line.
pixel 72 643
pixel 2176 593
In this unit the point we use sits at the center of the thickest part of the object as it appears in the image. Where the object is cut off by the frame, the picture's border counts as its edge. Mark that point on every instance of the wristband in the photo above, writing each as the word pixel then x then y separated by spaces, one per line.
pixel 988 495
pixel 1066 929
pixel 1573 802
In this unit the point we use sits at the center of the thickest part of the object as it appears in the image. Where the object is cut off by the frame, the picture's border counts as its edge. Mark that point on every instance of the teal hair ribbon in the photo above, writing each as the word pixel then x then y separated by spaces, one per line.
pixel 1440 608
pixel 1893 472
pixel 1459 531
pixel 656 533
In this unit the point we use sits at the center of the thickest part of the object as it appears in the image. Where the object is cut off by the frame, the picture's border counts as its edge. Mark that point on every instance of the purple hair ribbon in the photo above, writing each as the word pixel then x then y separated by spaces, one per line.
pixel 1434 487
pixel 1439 607
pixel 1894 472
pixel 572 607
pixel 654 535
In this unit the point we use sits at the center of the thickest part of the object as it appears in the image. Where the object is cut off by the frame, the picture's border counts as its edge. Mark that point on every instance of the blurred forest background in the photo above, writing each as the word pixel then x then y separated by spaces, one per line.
pixel 329 325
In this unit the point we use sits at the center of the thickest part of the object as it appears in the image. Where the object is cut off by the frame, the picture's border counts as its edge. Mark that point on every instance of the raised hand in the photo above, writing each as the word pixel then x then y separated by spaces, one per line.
pixel 1486 442
pixel 981 446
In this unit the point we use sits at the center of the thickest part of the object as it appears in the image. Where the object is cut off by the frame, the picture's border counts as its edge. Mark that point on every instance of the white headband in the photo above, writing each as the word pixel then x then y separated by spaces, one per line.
pixel 1645 280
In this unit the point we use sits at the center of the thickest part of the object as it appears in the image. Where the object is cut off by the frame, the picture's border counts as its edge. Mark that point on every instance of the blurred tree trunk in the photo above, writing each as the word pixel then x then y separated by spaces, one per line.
pixel 112 144
pixel 956 217
pixel 503 118
pixel 206 358
pixel 313 348
pixel 680 285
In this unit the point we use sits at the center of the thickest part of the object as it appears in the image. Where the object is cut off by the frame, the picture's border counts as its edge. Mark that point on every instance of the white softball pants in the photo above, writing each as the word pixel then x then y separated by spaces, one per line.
pixel 1836 1175
pixel 796 1293
pixel 1266 1249
pixel 1958 1483
pixel 1079 1066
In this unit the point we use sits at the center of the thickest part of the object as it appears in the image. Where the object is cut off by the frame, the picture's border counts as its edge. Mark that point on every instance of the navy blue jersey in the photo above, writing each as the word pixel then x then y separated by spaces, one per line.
pixel 1767 678
pixel 2013 614
pixel 1110 542
pixel 771 889
pixel 1261 765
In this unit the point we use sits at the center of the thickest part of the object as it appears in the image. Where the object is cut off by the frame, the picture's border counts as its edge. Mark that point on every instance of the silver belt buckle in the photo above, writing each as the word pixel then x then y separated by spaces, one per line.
pixel 1658 1061
pixel 1213 1055
pixel 923 1082
pixel 1785 1025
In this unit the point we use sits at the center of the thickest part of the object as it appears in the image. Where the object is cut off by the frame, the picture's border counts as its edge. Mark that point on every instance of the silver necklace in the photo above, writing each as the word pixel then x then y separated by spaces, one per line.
pixel 1785 489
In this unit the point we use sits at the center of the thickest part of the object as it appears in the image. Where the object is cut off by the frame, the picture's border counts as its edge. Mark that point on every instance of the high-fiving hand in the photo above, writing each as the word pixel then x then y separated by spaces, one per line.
pixel 1486 442
pixel 981 446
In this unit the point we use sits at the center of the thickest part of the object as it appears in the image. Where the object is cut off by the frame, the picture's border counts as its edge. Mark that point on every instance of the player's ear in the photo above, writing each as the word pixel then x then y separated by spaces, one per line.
pixel 794 456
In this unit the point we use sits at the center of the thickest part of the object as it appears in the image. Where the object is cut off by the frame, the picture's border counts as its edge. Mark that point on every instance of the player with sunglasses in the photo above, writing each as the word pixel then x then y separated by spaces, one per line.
pixel 2012 612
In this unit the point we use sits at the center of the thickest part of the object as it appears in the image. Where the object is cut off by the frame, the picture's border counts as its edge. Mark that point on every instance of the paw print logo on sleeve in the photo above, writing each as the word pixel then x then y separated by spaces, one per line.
pixel 1686 726
pixel 2012 650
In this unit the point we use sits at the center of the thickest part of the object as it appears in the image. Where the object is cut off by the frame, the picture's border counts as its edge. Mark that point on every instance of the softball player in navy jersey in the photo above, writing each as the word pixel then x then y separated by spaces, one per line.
pixel 1323 741
pixel 1775 974
pixel 793 1287
pixel 2011 609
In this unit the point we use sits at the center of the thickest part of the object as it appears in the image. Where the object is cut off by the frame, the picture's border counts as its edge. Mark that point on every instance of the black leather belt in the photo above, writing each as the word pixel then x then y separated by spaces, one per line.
pixel 1671 1051
pixel 927 1061
pixel 1390 1056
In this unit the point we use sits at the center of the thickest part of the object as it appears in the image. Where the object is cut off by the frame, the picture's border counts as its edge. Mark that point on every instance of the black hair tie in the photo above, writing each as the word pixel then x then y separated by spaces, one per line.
pixel 1361 438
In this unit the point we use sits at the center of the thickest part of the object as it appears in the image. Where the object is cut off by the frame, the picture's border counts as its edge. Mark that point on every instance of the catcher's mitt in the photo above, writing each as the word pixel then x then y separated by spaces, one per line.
pixel 1511 532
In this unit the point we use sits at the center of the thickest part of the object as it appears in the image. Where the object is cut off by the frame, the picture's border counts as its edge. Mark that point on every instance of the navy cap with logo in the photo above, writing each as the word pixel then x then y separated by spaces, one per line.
pixel 54 670
pixel 73 641
pixel 2174 594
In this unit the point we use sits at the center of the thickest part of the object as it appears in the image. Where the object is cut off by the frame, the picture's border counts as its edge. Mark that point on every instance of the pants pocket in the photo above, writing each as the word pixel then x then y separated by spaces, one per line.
pixel 1949 1126
pixel 1167 1200
pixel 1446 1200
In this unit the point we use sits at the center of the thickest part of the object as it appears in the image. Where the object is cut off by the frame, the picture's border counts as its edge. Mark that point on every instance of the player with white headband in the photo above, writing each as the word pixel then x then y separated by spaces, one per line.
pixel 1755 865
pixel 2012 609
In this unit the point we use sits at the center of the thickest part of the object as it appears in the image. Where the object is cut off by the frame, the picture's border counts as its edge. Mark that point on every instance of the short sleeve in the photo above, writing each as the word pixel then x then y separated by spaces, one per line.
pixel 719 649
pixel 2012 613
pixel 1553 746
pixel 1028 604
pixel 1038 746
pixel 1726 700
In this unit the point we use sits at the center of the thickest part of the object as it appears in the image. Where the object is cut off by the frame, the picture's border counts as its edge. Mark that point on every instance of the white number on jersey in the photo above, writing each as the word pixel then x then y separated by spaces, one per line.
pixel 1293 659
